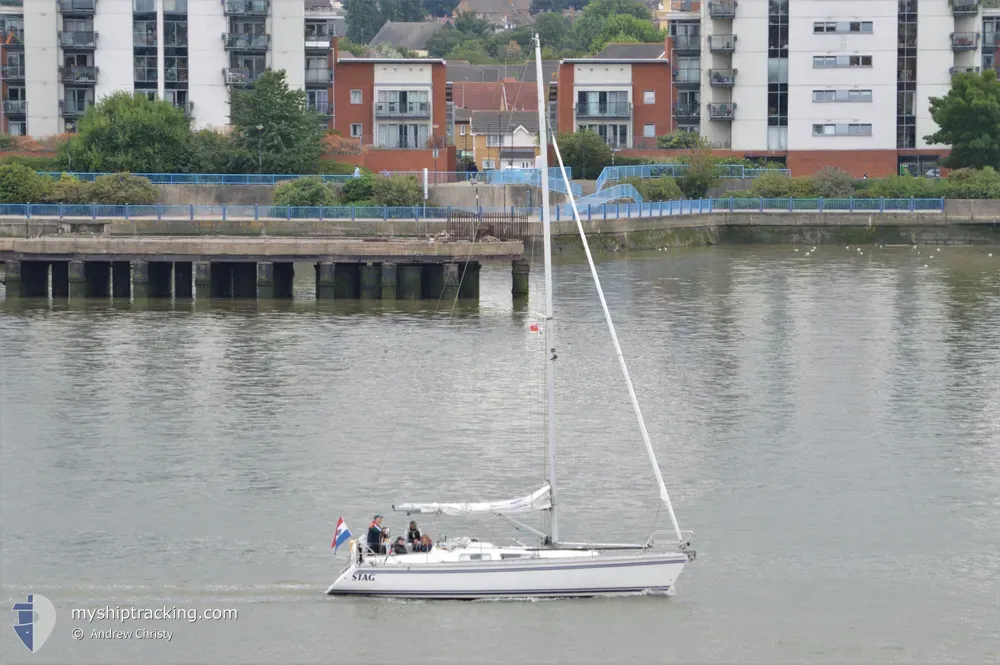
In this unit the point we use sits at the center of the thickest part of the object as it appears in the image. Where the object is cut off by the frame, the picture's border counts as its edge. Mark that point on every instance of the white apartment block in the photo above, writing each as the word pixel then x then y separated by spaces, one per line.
pixel 60 56
pixel 816 75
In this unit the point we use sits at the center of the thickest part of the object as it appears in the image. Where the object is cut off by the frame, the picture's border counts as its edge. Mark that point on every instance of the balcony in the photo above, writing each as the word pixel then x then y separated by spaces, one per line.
pixel 605 110
pixel 687 111
pixel 687 43
pixel 14 40
pixel 955 71
pixel 15 107
pixel 78 75
pixel 964 7
pixel 78 7
pixel 318 76
pixel 78 41
pixel 402 110
pixel 691 6
pixel 240 77
pixel 322 108
pixel 13 73
pixel 246 7
pixel 722 9
pixel 74 108
pixel 722 111
pixel 687 78
pixel 964 41
pixel 722 78
pixel 722 43
pixel 236 42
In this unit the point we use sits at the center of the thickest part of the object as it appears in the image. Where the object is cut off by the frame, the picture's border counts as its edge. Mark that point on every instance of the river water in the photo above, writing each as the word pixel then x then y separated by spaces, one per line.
pixel 828 425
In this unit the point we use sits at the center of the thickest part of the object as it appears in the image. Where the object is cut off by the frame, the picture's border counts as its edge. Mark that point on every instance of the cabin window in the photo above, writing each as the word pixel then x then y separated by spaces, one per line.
pixel 510 556
pixel 475 557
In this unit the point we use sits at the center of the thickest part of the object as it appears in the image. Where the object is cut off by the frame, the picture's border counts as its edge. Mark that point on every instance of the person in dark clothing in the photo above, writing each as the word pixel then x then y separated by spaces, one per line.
pixel 399 547
pixel 375 536
pixel 413 534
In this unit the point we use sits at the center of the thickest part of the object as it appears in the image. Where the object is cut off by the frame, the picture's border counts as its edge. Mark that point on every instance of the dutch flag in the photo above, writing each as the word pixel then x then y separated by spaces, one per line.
pixel 341 535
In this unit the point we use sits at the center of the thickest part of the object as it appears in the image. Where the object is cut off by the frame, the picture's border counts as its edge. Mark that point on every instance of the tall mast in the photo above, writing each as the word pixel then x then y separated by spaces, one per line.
pixel 550 340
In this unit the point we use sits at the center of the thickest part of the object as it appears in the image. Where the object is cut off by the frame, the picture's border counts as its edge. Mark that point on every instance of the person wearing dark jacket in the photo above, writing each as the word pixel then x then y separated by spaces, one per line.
pixel 413 534
pixel 375 536
pixel 399 547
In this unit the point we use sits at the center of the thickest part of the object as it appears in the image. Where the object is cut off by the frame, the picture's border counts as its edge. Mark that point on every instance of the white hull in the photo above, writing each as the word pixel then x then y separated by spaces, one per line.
pixel 536 574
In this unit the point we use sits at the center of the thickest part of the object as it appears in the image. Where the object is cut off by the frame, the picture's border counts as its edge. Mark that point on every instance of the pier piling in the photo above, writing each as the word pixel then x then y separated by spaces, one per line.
pixel 121 280
pixel 60 279
pixel 140 280
pixel 202 280
pixel 371 281
pixel 409 286
pixel 388 281
pixel 77 279
pixel 449 279
pixel 284 279
pixel 161 279
pixel 183 280
pixel 325 280
pixel 12 278
pixel 469 281
pixel 265 280
pixel 346 280
pixel 520 269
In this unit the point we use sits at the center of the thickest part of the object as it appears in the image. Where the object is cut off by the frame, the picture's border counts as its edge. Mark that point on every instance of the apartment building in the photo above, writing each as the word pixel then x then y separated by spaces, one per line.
pixel 60 56
pixel 621 99
pixel 819 82
pixel 396 109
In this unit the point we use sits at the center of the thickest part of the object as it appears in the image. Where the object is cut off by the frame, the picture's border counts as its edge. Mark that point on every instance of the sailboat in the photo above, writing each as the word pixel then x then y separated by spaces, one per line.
pixel 469 568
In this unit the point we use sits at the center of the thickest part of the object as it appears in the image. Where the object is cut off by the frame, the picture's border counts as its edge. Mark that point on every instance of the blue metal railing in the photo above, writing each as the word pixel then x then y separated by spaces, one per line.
pixel 609 195
pixel 589 208
pixel 728 171
pixel 208 178
pixel 530 177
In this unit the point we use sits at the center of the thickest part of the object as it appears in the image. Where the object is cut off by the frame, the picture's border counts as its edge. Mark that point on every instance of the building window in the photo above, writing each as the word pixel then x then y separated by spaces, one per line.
pixel 355 96
pixel 906 74
pixel 855 129
pixel 839 61
pixel 355 130
pixel 649 97
pixel 461 130
pixel 649 130
pixel 842 95
pixel 857 27
pixel 488 164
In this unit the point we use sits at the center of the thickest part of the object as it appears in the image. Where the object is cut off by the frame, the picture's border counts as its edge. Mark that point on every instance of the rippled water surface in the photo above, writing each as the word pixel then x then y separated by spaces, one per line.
pixel 828 425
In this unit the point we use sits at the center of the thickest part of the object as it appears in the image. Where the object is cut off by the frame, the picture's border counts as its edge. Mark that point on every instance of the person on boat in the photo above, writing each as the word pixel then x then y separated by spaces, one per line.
pixel 413 535
pixel 376 535
pixel 399 547
pixel 425 544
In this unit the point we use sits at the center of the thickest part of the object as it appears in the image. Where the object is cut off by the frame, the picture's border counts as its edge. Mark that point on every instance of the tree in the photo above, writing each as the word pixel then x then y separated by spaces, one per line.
pixel 129 132
pixel 364 19
pixel 554 31
pixel 969 120
pixel 511 51
pixel 700 175
pixel 470 24
pixel 443 41
pixel 273 131
pixel 20 184
pixel 210 152
pixel 440 7
pixel 585 152
pixel 624 28
pixel 409 10
pixel 597 13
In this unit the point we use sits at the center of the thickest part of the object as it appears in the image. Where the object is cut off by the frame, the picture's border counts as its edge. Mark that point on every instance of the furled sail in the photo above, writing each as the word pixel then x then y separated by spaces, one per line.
pixel 540 500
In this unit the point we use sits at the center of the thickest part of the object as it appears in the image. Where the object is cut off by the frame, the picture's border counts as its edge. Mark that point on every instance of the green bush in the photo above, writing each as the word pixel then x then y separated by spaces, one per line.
pixel 701 174
pixel 905 187
pixel 20 184
pixel 833 183
pixel 6 142
pixel 771 186
pixel 330 167
pixel 972 184
pixel 123 189
pixel 679 141
pixel 358 189
pixel 398 190
pixel 47 164
pixel 68 189
pixel 210 152
pixel 656 189
pixel 308 192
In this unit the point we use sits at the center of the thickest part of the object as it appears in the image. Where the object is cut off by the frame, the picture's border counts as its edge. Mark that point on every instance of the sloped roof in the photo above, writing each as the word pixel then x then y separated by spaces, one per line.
pixel 521 96
pixel 412 36
pixel 463 115
pixel 632 51
pixel 463 72
pixel 497 7
pixel 504 122
pixel 477 96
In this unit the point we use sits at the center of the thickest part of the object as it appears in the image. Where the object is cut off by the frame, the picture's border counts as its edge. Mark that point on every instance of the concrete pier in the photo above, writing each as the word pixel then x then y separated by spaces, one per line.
pixel 34 279
pixel 77 280
pixel 347 278
pixel 519 269
pixel 183 280
pixel 371 281
pixel 449 281
pixel 140 280
pixel 469 281
pixel 12 278
pixel 121 280
pixel 244 280
pixel 325 280
pixel 265 280
pixel 222 279
pixel 409 286
pixel 97 276
pixel 388 281
pixel 202 280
